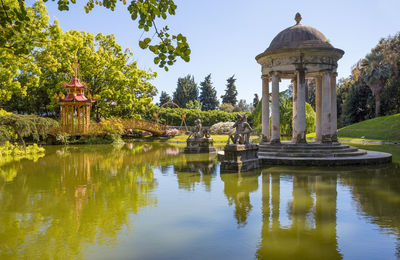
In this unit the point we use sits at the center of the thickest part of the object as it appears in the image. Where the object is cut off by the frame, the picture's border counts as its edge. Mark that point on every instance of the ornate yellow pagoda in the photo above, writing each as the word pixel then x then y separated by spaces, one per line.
pixel 75 107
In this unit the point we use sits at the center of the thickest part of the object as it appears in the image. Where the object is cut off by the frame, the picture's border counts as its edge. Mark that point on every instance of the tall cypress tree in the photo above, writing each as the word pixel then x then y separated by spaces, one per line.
pixel 164 98
pixel 185 91
pixel 230 92
pixel 208 95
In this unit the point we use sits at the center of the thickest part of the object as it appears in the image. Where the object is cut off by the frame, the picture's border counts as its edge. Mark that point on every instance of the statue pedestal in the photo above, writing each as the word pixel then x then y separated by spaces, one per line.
pixel 239 158
pixel 200 145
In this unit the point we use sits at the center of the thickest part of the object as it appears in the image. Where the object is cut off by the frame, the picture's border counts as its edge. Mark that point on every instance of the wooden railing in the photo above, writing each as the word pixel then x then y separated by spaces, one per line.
pixel 145 125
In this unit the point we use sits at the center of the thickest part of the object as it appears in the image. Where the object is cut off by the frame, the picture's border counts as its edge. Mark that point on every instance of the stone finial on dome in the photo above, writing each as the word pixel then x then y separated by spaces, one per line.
pixel 297 18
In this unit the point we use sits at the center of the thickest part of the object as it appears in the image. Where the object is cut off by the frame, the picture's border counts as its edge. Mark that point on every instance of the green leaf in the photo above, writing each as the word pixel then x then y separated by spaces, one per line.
pixel 142 44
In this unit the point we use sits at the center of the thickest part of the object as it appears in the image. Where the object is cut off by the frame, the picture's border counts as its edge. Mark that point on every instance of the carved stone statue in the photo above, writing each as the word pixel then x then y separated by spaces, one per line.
pixel 243 130
pixel 198 132
pixel 199 140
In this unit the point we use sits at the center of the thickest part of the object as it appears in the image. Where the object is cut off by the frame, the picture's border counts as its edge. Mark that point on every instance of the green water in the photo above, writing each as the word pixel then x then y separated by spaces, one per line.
pixel 150 201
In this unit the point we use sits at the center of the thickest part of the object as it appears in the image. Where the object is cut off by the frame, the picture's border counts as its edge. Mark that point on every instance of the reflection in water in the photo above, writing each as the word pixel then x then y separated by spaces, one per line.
pixel 84 198
pixel 196 169
pixel 237 189
pixel 311 233
pixel 75 196
pixel 377 194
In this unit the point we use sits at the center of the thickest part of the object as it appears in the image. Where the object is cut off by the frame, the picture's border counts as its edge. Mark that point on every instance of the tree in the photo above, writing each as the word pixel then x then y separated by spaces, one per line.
pixel 164 98
pixel 208 95
pixel 185 91
pixel 242 106
pixel 22 34
pixel 104 66
pixel 357 101
pixel 227 107
pixel 230 92
pixel 14 16
pixel 194 104
pixel 255 100
pixel 28 125
pixel 374 72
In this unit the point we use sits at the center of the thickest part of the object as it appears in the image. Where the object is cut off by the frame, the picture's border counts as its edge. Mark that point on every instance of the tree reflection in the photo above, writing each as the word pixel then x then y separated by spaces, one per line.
pixel 72 197
pixel 237 189
pixel 376 191
pixel 311 212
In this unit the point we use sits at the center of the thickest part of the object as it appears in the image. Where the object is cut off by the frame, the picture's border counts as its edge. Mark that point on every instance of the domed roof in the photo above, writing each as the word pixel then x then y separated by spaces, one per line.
pixel 299 36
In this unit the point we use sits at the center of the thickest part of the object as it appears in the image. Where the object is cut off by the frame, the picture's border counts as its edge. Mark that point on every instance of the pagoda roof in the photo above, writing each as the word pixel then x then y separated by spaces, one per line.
pixel 75 83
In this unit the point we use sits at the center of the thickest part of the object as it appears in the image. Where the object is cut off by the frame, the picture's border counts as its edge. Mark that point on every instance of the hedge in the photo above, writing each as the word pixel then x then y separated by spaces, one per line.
pixel 173 116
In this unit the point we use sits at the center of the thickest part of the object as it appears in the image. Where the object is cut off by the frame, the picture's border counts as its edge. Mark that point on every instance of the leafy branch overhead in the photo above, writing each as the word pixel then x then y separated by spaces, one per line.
pixel 146 12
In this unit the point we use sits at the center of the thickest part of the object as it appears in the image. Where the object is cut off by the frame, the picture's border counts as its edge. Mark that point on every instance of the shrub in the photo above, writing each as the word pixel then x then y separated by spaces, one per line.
pixel 63 138
pixel 222 128
pixel 23 126
pixel 108 130
pixel 173 116
pixel 227 107
pixel 286 114
pixel 172 132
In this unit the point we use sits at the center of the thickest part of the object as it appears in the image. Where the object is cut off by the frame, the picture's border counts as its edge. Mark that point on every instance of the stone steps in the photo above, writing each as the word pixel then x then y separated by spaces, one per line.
pixel 309 150
pixel 313 150
pixel 315 154
pixel 302 147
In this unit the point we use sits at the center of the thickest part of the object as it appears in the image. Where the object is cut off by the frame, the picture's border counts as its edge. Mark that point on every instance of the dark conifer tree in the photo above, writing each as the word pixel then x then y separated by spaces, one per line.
pixel 230 92
pixel 185 91
pixel 164 98
pixel 208 95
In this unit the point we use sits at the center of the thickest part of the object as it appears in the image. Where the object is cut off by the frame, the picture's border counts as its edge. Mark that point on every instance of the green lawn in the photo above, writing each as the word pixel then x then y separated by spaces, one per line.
pixel 384 128
pixel 182 138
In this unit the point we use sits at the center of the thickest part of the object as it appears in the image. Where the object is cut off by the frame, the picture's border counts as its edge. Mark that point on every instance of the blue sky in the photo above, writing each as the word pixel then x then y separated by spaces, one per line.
pixel 225 36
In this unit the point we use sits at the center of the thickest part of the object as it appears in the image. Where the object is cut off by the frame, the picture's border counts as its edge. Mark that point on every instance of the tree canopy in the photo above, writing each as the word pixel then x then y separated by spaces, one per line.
pixel 185 91
pixel 37 78
pixel 208 95
pixel 15 18
pixel 231 93
pixel 164 98
pixel 380 70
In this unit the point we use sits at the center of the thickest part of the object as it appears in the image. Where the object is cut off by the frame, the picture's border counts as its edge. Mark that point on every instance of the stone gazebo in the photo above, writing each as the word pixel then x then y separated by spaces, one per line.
pixel 301 53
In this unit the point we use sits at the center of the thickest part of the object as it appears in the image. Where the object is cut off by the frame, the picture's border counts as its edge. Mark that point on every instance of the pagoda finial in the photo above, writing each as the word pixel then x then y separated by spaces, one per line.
pixel 75 67
pixel 297 18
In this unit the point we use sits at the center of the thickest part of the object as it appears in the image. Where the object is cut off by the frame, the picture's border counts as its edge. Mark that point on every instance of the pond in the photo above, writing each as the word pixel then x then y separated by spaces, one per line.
pixel 151 201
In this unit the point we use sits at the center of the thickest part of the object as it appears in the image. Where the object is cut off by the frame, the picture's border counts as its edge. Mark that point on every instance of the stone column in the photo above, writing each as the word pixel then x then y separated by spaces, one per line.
pixel 318 108
pixel 265 108
pixel 333 108
pixel 275 129
pixel 299 133
pixel 294 118
pixel 326 107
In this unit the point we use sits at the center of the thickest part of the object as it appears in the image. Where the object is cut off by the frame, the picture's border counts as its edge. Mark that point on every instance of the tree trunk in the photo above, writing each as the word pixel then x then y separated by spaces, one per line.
pixel 20 140
pixel 377 104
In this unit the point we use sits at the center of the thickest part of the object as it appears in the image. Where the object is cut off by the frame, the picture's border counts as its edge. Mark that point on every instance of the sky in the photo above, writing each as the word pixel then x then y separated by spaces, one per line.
pixel 226 35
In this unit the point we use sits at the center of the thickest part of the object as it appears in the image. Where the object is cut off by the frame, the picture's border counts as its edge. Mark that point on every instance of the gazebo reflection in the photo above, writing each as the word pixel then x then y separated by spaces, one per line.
pixel 310 229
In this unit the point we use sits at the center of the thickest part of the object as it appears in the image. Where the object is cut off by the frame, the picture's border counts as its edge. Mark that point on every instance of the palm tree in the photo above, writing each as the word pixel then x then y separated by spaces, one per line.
pixel 374 72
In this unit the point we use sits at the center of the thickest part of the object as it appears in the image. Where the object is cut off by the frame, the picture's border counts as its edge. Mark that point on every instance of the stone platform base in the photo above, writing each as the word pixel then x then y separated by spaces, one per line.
pixel 239 158
pixel 202 145
pixel 316 154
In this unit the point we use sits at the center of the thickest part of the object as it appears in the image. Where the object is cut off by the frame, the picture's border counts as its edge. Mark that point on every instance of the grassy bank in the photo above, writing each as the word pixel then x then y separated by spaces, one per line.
pixel 384 128
pixel 182 139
